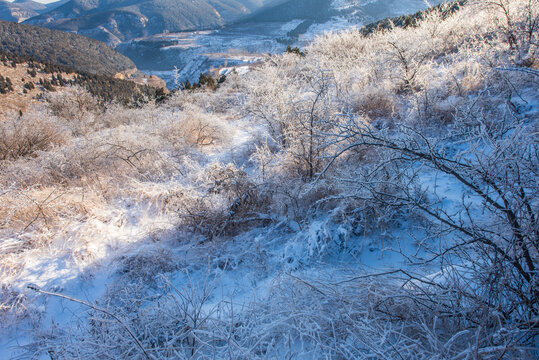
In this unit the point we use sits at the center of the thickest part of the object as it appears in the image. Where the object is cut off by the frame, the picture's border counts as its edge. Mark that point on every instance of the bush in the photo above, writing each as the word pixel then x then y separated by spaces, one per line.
pixel 77 106
pixel 22 136
pixel 29 85
pixel 5 85
pixel 194 127
pixel 223 202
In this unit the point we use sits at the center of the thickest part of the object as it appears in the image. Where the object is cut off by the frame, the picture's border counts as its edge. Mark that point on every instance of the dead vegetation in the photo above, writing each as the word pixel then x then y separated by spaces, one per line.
pixel 359 140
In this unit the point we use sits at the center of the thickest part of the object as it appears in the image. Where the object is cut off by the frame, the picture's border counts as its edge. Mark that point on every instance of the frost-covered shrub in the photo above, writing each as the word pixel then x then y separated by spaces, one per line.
pixel 77 106
pixel 116 115
pixel 360 317
pixel 191 127
pixel 22 136
pixel 517 22
pixel 296 107
pixel 12 306
pixel 146 264
pixel 200 128
pixel 226 99
pixel 222 201
pixel 374 102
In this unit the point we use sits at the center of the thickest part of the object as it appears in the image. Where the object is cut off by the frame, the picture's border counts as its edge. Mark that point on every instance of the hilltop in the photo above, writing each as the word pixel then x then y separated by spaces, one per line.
pixel 61 48
pixel 24 82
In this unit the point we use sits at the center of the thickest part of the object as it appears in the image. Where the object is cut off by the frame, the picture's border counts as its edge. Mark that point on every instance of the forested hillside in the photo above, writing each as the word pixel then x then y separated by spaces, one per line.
pixel 61 48
pixel 24 81
pixel 373 195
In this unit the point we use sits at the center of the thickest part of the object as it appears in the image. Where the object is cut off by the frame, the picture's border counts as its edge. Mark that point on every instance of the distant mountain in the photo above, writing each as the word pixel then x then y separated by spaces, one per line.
pixel 61 48
pixel 116 21
pixel 315 10
pixel 320 11
pixel 113 21
pixel 20 10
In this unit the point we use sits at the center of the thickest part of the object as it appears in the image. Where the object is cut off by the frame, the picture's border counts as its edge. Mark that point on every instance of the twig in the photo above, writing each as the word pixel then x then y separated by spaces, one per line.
pixel 125 326
pixel 519 69
pixel 308 284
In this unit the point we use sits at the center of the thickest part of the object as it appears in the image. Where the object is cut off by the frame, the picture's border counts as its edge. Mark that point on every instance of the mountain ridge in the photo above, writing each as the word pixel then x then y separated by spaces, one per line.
pixel 20 10
pixel 116 21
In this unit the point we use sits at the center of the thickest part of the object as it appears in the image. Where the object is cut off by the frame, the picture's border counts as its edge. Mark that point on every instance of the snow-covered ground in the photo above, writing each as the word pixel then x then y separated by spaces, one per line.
pixel 244 268
pixel 196 226
pixel 133 246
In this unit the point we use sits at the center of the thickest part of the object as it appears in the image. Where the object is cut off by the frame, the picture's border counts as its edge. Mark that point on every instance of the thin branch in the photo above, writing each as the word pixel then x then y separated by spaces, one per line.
pixel 105 311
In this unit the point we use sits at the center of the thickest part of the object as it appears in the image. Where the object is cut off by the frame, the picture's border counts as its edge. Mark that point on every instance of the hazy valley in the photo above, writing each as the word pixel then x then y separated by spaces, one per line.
pixel 237 37
pixel 267 32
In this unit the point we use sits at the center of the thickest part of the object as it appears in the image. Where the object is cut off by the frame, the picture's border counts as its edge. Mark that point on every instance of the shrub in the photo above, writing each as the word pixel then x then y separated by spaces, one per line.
pixel 224 201
pixel 5 85
pixel 29 85
pixel 77 106
pixel 147 264
pixel 12 306
pixel 22 136
pixel 195 127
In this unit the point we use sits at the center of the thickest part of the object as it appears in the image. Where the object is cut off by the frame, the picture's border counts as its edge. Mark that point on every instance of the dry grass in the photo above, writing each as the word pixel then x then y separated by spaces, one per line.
pixel 23 136
pixel 221 201
pixel 17 100
pixel 145 265
pixel 92 183
pixel 195 127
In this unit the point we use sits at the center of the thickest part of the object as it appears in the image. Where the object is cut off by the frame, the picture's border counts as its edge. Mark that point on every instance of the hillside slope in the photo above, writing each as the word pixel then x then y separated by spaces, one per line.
pixel 24 82
pixel 294 9
pixel 374 197
pixel 61 48
pixel 357 12
pixel 115 21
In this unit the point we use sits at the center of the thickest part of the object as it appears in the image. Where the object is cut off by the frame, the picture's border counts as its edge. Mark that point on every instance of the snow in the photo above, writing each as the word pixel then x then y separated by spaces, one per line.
pixel 244 267
pixel 291 25
pixel 336 24
pixel 133 244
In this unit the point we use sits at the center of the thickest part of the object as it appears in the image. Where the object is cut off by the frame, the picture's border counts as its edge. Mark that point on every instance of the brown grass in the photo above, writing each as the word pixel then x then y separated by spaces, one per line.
pixel 17 100
pixel 22 136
